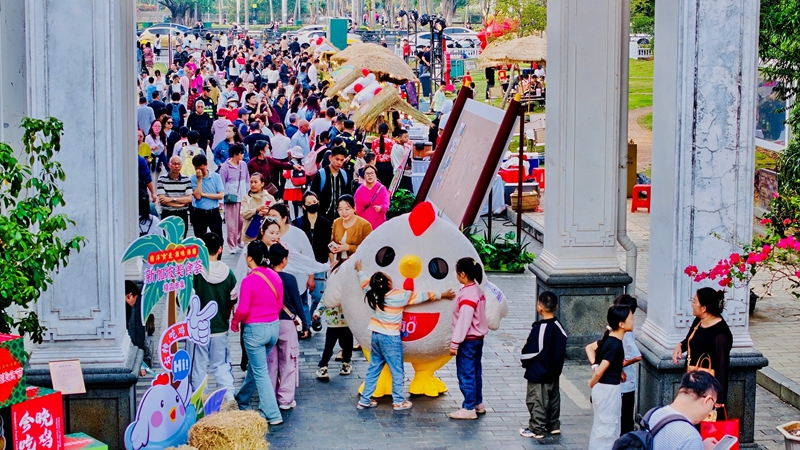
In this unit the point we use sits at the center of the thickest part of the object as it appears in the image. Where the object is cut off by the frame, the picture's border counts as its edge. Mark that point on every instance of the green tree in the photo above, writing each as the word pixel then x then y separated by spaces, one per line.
pixel 779 49
pixel 643 14
pixel 181 10
pixel 531 15
pixel 33 242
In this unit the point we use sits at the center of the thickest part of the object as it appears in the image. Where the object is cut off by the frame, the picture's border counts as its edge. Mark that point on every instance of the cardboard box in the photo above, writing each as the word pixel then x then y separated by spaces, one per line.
pixel 37 422
pixel 12 375
pixel 81 441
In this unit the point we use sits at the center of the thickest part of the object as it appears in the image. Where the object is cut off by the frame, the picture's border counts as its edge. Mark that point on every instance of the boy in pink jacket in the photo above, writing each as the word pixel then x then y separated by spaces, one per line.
pixel 469 329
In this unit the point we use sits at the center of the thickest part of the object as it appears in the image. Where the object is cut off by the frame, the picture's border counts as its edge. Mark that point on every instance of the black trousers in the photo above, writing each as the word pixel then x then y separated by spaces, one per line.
pixel 626 420
pixel 184 214
pixel 345 338
pixel 204 220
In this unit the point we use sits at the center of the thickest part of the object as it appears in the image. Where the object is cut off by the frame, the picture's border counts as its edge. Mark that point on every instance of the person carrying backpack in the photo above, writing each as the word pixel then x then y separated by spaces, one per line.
pixel 176 110
pixel 672 427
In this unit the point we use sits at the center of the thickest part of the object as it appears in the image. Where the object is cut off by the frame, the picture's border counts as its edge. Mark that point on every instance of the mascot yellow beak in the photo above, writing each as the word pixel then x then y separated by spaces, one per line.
pixel 410 267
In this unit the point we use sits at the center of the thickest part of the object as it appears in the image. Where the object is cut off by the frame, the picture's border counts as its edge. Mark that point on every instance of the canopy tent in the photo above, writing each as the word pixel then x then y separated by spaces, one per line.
pixel 384 63
pixel 529 49
pixel 368 117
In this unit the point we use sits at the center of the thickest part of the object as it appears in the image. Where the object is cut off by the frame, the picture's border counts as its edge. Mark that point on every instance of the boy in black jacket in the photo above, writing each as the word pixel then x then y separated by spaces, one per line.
pixel 543 359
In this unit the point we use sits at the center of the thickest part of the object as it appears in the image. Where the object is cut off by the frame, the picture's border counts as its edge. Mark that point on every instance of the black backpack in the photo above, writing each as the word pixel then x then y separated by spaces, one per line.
pixel 643 438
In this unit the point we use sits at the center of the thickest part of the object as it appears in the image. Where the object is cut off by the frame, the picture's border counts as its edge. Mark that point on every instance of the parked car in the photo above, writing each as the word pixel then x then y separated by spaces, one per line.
pixel 424 39
pixel 164 30
pixel 463 36
pixel 305 29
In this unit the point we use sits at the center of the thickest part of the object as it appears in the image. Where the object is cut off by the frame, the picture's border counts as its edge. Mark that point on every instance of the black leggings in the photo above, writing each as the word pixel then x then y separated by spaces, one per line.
pixel 626 420
pixel 345 338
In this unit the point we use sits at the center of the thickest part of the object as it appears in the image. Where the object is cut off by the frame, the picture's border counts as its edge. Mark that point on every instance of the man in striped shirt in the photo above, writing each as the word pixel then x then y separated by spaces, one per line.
pixel 175 192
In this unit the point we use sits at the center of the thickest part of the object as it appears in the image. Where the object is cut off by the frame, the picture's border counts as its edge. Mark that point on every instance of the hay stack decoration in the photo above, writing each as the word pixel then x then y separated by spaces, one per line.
pixel 230 430
pixel 169 407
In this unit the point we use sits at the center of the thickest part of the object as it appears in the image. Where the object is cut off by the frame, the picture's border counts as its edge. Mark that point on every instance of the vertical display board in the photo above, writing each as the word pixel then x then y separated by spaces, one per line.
pixel 467 157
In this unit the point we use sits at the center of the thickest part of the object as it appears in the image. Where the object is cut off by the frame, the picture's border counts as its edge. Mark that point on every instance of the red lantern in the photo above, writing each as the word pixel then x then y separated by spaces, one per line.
pixel 377 91
pixel 319 41
pixel 365 71
pixel 358 87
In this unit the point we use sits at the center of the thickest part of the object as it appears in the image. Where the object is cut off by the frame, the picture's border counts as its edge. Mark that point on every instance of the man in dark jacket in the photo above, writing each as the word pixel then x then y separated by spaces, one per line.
pixel 201 122
pixel 330 183
pixel 543 359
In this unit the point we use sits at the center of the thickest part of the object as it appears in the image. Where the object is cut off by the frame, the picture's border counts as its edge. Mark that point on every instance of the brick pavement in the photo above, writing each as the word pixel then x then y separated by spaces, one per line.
pixel 326 415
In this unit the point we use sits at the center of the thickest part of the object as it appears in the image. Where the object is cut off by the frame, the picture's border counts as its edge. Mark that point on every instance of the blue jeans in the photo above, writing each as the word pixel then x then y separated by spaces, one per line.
pixel 470 372
pixel 386 349
pixel 217 354
pixel 259 338
pixel 316 295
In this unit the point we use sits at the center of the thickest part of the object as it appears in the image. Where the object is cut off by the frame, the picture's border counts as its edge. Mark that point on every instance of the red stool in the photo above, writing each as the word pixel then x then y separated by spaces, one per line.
pixel 538 175
pixel 637 202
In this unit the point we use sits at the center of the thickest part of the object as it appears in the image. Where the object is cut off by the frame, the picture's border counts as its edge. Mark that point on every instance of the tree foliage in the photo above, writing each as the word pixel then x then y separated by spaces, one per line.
pixel 779 51
pixel 32 241
pixel 531 15
pixel 181 10
pixel 643 14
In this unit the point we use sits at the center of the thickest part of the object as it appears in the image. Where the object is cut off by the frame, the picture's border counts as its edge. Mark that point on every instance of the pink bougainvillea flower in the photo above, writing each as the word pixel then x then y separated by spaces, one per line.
pixel 766 248
pixel 690 270
pixel 735 258
pixel 775 195
pixel 725 282
pixel 765 221
pixel 702 276
pixel 787 221
pixel 797 274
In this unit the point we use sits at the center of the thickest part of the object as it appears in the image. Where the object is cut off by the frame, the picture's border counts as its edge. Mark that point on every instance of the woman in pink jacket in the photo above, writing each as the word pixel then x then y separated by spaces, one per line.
pixel 260 303
pixel 372 198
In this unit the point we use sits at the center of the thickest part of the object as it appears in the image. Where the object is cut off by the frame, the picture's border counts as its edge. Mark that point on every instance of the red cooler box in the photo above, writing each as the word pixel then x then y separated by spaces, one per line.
pixel 37 422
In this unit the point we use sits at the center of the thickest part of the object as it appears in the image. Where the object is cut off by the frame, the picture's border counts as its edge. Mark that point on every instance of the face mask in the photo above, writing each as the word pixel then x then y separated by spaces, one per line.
pixel 312 209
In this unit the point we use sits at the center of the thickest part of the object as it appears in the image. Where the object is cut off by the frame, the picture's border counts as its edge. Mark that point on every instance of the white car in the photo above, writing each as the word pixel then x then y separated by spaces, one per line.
pixel 424 38
pixel 461 34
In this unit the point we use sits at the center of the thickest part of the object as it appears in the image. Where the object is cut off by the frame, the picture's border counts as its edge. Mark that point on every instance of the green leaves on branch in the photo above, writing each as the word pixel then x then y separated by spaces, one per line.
pixel 500 252
pixel 32 242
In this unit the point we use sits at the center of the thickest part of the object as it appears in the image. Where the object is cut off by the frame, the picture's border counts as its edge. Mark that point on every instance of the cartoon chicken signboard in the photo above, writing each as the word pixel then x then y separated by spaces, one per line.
pixel 169 407
pixel 418 251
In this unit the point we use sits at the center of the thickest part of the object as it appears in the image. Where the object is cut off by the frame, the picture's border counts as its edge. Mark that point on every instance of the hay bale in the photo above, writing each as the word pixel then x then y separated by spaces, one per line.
pixel 231 430
pixel 182 447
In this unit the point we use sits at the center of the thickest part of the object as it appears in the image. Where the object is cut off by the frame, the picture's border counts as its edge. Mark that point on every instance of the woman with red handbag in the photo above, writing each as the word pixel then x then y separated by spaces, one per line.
pixel 709 340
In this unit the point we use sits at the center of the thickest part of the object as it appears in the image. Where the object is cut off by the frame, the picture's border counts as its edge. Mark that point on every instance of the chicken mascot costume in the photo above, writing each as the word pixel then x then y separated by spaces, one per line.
pixel 418 251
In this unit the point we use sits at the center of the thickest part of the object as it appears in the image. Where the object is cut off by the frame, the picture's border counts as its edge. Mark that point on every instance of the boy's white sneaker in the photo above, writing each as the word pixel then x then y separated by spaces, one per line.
pixel 346 369
pixel 464 414
pixel 322 373
pixel 288 406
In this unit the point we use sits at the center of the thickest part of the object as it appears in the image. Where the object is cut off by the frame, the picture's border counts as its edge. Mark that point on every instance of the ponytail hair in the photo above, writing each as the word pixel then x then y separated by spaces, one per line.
pixel 471 269
pixel 615 315
pixel 713 300
pixel 258 251
pixel 378 288
pixel 383 130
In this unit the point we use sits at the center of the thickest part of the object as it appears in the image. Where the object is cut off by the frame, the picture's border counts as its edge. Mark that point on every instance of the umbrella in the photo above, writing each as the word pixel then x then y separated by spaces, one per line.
pixel 386 64
pixel 521 50
pixel 368 116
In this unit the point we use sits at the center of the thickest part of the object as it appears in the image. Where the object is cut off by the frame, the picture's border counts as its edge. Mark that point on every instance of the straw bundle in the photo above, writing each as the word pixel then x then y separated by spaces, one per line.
pixel 343 82
pixel 182 447
pixel 368 117
pixel 231 430
pixel 377 59
pixel 522 50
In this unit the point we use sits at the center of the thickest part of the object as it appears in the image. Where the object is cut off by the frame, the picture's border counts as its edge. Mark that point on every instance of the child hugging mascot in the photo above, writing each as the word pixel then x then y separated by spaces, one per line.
pixel 419 252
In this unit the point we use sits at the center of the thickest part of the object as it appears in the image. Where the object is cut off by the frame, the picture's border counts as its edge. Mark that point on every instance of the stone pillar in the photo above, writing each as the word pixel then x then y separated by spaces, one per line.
pixel 585 87
pixel 12 73
pixel 703 158
pixel 80 69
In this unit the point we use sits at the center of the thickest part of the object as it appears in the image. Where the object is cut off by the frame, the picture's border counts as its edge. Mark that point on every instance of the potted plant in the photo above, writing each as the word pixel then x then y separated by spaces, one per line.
pixel 791 435
pixel 500 253
pixel 402 202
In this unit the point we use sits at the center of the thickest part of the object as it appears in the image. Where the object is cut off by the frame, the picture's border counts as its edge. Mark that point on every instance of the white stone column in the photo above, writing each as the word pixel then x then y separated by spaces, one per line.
pixel 703 156
pixel 583 135
pixel 13 100
pixel 80 70
pixel 587 88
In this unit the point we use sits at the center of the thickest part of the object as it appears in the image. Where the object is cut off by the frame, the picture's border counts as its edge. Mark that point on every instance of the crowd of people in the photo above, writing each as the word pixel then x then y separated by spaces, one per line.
pixel 242 134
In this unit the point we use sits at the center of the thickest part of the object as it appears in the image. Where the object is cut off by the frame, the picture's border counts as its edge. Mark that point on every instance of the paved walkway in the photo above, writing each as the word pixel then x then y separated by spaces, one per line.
pixel 326 414
pixel 642 137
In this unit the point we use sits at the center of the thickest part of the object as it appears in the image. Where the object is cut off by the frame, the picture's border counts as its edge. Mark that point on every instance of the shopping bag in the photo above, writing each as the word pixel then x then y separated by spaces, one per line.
pixel 720 428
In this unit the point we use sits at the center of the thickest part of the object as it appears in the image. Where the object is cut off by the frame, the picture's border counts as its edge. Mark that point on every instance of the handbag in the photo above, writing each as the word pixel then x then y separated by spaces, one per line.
pixel 374 196
pixel 703 363
pixel 718 429
pixel 271 189
pixel 232 199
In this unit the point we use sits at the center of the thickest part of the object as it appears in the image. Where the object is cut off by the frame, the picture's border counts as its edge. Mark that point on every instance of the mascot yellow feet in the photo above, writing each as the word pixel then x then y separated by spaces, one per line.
pixel 424 382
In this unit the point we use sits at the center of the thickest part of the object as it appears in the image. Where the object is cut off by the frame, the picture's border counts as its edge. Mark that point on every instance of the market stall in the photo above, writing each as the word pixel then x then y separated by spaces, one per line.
pixel 529 49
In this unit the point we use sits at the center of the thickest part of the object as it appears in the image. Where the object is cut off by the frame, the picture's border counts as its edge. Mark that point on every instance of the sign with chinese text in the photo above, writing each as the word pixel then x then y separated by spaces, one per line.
pixel 12 375
pixel 36 423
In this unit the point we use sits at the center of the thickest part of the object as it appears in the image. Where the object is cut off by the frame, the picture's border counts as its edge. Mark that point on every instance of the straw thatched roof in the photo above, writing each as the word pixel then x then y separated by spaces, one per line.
pixel 368 116
pixel 521 50
pixel 343 82
pixel 384 63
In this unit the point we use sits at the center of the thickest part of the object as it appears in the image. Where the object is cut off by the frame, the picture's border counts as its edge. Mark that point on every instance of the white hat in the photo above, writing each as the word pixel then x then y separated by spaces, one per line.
pixel 296 152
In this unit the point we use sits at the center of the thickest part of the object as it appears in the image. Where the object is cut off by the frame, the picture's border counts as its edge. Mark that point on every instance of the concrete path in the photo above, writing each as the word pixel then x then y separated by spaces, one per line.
pixel 642 137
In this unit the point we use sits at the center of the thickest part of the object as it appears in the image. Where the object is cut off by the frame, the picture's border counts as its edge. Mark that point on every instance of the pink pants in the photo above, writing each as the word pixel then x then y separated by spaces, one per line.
pixel 282 363
pixel 234 222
